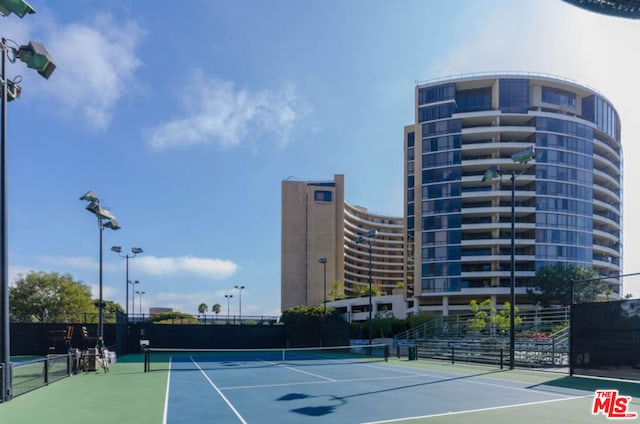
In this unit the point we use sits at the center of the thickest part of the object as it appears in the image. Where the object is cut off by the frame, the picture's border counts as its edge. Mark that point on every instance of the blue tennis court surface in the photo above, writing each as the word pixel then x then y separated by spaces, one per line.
pixel 269 390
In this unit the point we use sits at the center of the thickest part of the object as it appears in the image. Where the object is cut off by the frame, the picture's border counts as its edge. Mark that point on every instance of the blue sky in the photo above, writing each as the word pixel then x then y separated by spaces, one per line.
pixel 185 119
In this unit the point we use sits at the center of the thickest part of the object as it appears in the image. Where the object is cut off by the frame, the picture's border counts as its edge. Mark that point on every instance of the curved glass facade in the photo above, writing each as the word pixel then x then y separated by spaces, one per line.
pixel 568 201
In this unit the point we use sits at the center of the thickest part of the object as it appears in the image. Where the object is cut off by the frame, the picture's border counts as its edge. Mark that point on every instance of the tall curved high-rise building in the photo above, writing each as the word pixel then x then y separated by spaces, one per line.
pixel 567 198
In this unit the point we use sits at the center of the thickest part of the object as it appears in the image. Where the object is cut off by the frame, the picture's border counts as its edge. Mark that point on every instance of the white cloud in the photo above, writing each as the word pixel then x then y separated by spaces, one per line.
pixel 95 67
pixel 216 112
pixel 16 272
pixel 78 262
pixel 203 267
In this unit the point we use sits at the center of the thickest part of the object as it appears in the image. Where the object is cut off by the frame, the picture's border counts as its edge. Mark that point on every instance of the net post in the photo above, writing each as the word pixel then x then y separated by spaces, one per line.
pixel 453 355
pixel 501 359
pixel 146 359
pixel 386 353
pixel 46 370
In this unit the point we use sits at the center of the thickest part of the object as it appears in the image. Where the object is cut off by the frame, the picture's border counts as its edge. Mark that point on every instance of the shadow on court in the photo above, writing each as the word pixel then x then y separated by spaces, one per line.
pixel 321 410
pixel 592 384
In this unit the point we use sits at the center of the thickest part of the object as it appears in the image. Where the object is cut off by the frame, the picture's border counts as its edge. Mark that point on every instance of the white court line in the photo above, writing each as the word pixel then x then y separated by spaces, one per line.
pixel 440 378
pixel 475 410
pixel 219 392
pixel 304 383
pixel 301 371
pixel 166 395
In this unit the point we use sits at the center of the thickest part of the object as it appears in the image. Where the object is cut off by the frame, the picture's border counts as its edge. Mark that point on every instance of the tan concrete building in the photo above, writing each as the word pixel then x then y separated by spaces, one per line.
pixel 318 223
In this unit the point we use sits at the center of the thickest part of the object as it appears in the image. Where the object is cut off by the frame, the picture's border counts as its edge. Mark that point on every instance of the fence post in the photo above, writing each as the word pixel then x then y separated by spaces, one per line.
pixel 501 359
pixel 453 355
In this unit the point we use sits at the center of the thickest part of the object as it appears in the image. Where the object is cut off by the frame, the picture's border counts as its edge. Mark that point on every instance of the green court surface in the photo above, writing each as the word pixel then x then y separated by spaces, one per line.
pixel 128 395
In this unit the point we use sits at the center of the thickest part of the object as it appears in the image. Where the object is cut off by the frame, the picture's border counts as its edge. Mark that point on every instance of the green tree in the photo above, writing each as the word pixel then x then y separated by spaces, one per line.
pixel 384 324
pixel 173 318
pixel 203 308
pixel 308 315
pixel 486 314
pixel 336 291
pixel 362 290
pixel 216 308
pixel 553 285
pixel 481 314
pixel 49 297
pixel 111 309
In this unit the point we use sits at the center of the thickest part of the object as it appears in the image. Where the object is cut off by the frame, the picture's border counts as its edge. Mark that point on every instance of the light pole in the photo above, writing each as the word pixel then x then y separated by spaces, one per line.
pixel 323 261
pixel 368 240
pixel 133 297
pixel 521 157
pixel 240 288
pixel 228 296
pixel 35 55
pixel 140 292
pixel 105 220
pixel 135 251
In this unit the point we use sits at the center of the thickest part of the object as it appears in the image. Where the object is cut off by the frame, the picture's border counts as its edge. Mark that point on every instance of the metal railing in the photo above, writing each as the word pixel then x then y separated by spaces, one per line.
pixel 209 319
pixel 31 375
pixel 542 339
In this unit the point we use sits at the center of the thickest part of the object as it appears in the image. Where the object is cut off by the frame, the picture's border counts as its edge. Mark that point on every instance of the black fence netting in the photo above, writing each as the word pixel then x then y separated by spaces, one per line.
pixel 30 375
pixel 606 339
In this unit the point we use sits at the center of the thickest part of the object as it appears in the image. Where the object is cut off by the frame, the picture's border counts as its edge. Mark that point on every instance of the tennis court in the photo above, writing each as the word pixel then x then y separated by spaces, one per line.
pixel 351 386
pixel 307 387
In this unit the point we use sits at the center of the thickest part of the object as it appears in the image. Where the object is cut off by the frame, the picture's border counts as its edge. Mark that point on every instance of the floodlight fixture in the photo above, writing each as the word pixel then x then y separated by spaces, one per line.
pixel 13 90
pixel 136 250
pixel 36 56
pixel 17 7
pixel 113 224
pixel 116 249
pixel 524 155
pixel 490 173
pixel 89 196
pixel 99 211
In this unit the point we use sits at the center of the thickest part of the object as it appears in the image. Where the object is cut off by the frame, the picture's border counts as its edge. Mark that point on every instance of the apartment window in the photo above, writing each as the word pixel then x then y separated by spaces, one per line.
pixel 473 100
pixel 514 95
pixel 436 94
pixel 557 96
pixel 323 196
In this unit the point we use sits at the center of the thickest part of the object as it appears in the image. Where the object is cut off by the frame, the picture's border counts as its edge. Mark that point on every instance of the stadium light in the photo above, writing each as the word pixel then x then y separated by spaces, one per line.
pixel 133 297
pixel 140 292
pixel 520 157
pixel 323 261
pixel 105 220
pixel 135 251
pixel 228 296
pixel 368 239
pixel 36 57
pixel 240 288
pixel 18 7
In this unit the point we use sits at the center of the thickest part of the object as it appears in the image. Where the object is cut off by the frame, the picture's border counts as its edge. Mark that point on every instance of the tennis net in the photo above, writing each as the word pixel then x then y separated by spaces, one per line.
pixel 189 359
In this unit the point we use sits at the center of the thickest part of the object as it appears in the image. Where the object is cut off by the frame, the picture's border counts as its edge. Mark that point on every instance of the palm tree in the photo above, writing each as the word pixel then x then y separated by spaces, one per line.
pixel 203 308
pixel 216 308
